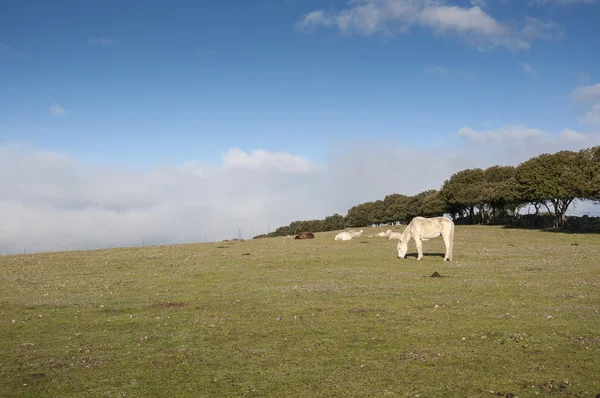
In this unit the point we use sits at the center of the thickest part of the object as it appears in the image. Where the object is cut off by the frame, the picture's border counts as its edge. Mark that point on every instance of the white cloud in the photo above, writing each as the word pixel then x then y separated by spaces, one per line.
pixel 514 143
pixel 57 110
pixel 389 17
pixel 573 136
pixel 536 29
pixel 588 100
pixel 500 135
pixel 587 93
pixel 281 162
pixel 478 3
pixel 49 201
pixel 528 69
pixel 101 41
pixel 52 202
pixel 461 20
pixel 563 2
pixel 592 117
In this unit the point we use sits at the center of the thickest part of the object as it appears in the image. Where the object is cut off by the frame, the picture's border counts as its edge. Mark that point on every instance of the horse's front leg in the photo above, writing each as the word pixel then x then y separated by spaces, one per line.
pixel 419 245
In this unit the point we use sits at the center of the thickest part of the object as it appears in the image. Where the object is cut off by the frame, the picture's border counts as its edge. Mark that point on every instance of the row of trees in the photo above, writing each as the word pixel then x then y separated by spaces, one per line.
pixel 550 181
pixel 494 195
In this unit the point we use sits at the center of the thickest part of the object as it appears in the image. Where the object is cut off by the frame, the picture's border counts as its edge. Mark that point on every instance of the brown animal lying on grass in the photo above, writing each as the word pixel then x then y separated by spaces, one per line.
pixel 305 235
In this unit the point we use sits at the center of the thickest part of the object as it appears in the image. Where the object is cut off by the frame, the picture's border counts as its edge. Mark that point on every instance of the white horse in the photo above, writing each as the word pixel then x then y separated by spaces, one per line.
pixel 343 236
pixel 356 234
pixel 393 235
pixel 421 229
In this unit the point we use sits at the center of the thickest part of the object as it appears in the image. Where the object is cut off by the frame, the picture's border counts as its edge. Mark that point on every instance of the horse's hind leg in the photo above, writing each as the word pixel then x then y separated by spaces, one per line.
pixel 448 255
pixel 449 241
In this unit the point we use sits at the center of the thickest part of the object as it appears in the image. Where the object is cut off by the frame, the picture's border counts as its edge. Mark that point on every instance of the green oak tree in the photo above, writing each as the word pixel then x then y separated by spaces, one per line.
pixel 557 179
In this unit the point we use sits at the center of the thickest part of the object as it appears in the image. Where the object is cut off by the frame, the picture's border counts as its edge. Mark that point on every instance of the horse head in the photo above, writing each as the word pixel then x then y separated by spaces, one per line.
pixel 402 248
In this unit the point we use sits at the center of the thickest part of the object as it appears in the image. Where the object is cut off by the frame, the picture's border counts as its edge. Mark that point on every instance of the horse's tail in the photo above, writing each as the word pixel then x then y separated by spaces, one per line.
pixel 451 239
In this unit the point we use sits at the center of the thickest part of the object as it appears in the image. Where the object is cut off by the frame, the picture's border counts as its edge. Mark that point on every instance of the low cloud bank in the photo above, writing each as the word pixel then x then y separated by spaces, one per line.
pixel 51 202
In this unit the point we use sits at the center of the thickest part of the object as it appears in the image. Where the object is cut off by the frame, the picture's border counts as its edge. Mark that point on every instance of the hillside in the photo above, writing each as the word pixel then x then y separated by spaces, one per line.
pixel 515 312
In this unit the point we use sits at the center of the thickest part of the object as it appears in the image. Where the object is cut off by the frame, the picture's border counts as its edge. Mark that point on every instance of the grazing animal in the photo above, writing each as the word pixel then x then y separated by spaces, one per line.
pixel 343 236
pixel 305 235
pixel 383 233
pixel 356 234
pixel 421 229
pixel 393 235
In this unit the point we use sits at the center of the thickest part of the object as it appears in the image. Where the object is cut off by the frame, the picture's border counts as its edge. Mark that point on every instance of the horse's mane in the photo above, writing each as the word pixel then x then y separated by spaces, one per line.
pixel 407 234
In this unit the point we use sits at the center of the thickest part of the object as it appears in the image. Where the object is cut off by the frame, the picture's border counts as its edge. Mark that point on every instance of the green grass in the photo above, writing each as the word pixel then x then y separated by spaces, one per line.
pixel 515 311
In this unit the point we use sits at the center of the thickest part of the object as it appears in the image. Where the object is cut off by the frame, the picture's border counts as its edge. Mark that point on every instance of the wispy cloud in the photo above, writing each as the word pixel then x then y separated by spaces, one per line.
pixel 57 110
pixel 573 136
pixel 592 117
pixel 534 29
pixel 500 135
pixel 562 2
pixel 528 69
pixel 583 77
pixel 587 93
pixel 437 70
pixel 101 41
pixel 390 17
pixel 587 99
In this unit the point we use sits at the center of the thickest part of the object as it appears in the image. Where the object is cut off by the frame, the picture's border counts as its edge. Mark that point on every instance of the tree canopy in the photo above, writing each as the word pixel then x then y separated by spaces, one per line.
pixel 558 179
pixel 492 195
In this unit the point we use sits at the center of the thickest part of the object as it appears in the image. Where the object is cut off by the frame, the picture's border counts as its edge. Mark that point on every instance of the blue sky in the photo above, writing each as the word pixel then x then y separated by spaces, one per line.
pixel 141 85
pixel 242 73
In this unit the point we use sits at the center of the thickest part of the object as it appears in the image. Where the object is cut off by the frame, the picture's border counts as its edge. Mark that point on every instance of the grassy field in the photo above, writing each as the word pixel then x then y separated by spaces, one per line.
pixel 516 312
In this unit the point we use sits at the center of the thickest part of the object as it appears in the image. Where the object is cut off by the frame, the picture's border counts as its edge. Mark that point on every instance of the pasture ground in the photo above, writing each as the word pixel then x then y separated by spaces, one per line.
pixel 517 312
